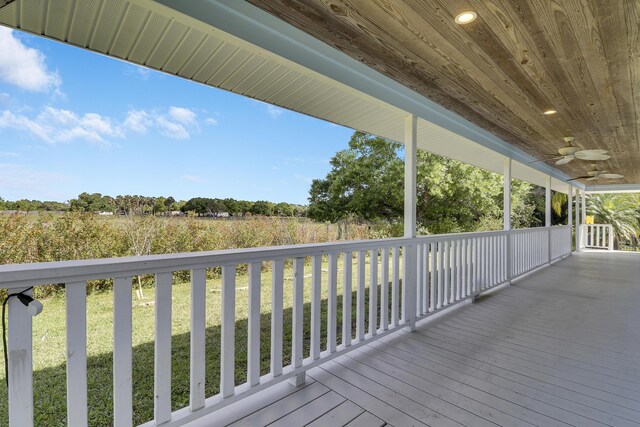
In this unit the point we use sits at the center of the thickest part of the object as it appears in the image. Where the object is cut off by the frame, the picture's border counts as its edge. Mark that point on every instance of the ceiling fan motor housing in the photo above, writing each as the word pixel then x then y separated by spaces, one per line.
pixel 567 151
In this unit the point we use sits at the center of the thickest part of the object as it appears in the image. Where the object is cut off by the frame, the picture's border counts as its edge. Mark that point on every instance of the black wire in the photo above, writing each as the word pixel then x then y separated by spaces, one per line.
pixel 4 333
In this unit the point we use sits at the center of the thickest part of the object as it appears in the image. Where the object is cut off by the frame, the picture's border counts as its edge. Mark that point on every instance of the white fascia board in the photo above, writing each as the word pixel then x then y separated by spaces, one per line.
pixel 614 188
pixel 255 26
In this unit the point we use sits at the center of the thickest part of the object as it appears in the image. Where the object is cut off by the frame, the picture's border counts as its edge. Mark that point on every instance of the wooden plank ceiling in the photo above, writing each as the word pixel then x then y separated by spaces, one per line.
pixel 516 60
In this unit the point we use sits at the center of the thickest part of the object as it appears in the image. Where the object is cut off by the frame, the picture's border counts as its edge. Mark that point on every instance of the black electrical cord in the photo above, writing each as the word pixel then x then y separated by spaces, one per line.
pixel 25 299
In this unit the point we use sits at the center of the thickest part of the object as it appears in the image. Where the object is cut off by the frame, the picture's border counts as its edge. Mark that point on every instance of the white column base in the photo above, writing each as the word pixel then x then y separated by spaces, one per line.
pixel 298 380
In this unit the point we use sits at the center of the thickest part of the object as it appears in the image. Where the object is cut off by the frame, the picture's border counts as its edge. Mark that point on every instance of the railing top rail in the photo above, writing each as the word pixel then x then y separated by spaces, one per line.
pixel 22 275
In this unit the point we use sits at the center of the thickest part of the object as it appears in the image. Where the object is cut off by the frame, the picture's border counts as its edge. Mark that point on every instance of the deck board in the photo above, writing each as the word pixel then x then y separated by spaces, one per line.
pixel 341 415
pixel 556 348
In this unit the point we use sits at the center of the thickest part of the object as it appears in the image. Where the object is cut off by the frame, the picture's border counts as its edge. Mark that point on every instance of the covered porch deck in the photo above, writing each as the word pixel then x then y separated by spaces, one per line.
pixel 558 347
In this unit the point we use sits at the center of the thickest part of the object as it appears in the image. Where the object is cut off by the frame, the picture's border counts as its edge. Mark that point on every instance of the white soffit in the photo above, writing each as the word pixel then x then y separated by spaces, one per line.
pixel 164 38
pixel 614 188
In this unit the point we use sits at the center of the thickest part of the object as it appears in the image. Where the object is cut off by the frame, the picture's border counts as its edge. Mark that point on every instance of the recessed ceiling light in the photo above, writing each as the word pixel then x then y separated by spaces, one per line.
pixel 549 112
pixel 466 17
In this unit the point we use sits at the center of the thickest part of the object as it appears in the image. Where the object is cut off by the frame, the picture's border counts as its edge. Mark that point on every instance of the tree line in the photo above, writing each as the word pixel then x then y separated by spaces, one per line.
pixel 366 182
pixel 145 205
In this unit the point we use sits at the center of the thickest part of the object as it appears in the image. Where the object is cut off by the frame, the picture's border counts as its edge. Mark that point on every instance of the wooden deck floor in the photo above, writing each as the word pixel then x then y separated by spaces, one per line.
pixel 560 347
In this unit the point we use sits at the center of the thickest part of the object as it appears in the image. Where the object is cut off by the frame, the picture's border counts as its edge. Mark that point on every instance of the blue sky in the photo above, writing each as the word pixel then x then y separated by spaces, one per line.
pixel 74 121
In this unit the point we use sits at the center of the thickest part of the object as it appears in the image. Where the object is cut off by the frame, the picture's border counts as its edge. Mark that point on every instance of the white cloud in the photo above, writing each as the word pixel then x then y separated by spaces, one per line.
pixel 24 66
pixel 138 121
pixel 142 72
pixel 8 154
pixel 4 97
pixel 56 125
pixel 137 71
pixel 211 121
pixel 19 122
pixel 171 129
pixel 78 132
pixel 63 117
pixel 183 115
pixel 53 125
pixel 99 124
pixel 19 181
pixel 274 111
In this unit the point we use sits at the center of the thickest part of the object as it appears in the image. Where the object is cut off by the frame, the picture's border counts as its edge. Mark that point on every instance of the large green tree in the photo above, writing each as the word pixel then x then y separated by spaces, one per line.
pixel 367 181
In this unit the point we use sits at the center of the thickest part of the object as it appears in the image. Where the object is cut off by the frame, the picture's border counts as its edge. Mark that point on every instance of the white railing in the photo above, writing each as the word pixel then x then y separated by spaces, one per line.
pixel 560 243
pixel 443 270
pixel 597 236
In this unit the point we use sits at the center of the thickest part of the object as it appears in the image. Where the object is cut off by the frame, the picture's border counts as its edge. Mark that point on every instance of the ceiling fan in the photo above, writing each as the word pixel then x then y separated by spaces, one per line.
pixel 570 152
pixel 595 173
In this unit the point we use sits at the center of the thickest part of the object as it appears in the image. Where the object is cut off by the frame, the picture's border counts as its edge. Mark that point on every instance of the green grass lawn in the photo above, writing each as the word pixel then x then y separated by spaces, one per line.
pixel 49 345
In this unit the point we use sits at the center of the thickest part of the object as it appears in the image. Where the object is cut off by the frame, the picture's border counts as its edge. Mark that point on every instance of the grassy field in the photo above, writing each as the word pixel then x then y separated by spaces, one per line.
pixel 49 345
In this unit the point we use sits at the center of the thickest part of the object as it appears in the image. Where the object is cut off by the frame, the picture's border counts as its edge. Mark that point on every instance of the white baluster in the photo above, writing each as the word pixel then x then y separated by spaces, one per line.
pixel 360 296
pixel 419 279
pixel 455 271
pixel 395 284
pixel 439 298
pixel 277 279
pixel 332 303
pixel 432 282
pixel 373 291
pixel 347 290
pixel 198 340
pixel 316 299
pixel 298 320
pixel 384 291
pixel 425 278
pixel 162 355
pixel 122 344
pixel 76 305
pixel 446 272
pixel 228 345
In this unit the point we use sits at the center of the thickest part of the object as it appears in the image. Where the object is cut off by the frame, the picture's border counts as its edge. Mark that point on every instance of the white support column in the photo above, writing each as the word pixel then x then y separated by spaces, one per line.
pixel 578 228
pixel 507 194
pixel 570 206
pixel 506 207
pixel 547 216
pixel 20 394
pixel 410 183
pixel 584 207
pixel 547 203
pixel 570 211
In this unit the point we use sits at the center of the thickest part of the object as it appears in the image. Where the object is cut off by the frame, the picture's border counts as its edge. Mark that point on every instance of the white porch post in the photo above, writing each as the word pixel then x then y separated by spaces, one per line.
pixel 547 216
pixel 570 206
pixel 578 228
pixel 583 218
pixel 506 207
pixel 409 262
pixel 570 212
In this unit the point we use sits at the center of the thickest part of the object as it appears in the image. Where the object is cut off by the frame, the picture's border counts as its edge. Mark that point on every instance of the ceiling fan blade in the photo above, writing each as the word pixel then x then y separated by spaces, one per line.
pixel 579 177
pixel 593 178
pixel 565 160
pixel 598 151
pixel 593 156
pixel 546 160
pixel 611 176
